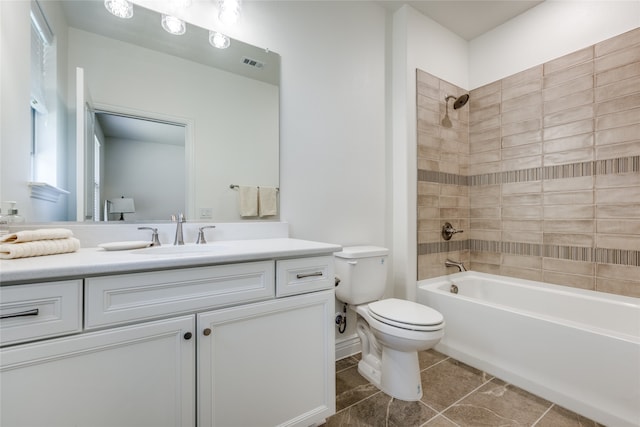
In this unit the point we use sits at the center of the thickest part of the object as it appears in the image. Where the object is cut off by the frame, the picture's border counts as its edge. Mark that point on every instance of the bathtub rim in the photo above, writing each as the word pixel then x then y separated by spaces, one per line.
pixel 436 285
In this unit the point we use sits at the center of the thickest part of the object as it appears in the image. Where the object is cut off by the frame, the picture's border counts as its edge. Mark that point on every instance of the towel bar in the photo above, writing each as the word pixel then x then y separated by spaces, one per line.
pixel 234 186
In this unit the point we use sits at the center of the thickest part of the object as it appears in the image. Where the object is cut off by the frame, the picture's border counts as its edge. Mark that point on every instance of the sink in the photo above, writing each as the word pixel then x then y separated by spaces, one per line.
pixel 180 250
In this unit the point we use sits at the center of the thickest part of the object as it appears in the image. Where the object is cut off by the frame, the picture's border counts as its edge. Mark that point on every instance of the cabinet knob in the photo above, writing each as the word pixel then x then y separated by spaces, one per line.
pixel 207 332
pixel 188 335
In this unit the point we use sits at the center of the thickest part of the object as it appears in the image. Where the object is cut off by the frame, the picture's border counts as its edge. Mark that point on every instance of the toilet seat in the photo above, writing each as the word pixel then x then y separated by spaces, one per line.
pixel 406 315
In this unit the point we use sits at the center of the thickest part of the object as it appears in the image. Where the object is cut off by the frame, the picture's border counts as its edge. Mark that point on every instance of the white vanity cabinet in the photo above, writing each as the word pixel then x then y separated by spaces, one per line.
pixel 267 364
pixel 248 344
pixel 140 375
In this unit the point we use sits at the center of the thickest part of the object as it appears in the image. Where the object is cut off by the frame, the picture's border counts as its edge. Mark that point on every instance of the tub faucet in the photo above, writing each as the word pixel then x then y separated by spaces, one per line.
pixel 179 240
pixel 450 263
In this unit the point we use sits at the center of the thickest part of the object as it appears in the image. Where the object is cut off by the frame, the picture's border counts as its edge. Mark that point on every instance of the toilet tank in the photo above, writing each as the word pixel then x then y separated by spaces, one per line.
pixel 362 271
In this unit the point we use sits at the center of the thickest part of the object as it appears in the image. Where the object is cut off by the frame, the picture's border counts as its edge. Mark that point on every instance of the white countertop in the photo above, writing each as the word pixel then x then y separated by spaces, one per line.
pixel 97 261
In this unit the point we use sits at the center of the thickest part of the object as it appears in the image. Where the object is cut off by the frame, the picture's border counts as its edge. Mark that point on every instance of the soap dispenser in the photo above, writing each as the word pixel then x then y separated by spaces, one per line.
pixel 13 217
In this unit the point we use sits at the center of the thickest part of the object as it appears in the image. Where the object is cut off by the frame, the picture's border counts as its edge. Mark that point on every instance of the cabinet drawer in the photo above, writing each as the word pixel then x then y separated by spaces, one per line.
pixel 302 275
pixel 40 310
pixel 124 298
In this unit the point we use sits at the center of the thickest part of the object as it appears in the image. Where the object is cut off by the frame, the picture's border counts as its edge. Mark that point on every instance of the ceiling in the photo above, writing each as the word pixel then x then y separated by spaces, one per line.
pixel 468 19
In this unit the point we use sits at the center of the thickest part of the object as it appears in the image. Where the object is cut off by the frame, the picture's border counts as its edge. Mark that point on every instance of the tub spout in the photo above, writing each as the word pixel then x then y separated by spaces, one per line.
pixel 450 263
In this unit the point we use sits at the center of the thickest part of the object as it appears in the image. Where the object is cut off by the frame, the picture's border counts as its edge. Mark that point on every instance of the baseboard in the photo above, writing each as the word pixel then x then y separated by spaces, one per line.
pixel 348 346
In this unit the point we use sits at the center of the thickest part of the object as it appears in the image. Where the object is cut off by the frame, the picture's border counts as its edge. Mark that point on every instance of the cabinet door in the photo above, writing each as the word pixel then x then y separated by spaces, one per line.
pixel 267 364
pixel 142 375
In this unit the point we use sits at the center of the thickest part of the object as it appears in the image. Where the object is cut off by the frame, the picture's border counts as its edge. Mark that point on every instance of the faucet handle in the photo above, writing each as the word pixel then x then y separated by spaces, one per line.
pixel 448 231
pixel 155 241
pixel 201 240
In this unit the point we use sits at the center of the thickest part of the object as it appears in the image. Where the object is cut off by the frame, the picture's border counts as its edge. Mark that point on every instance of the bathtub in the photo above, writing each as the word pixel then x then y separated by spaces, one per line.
pixel 577 348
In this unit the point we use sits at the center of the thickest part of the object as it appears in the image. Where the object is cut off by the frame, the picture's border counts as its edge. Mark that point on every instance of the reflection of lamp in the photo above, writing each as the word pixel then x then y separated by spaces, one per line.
pixel 122 206
pixel 219 40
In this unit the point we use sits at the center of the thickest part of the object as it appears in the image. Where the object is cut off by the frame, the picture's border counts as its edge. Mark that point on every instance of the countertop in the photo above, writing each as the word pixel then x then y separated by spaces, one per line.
pixel 97 261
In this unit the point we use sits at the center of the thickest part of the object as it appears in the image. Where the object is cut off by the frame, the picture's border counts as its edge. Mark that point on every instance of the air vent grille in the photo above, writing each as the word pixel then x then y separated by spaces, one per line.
pixel 253 62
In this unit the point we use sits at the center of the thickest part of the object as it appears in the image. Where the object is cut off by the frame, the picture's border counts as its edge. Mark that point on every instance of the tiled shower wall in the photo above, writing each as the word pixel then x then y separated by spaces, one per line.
pixel 541 170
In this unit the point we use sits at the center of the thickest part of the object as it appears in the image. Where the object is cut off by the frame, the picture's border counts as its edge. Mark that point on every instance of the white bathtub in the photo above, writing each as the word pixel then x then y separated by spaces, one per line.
pixel 577 348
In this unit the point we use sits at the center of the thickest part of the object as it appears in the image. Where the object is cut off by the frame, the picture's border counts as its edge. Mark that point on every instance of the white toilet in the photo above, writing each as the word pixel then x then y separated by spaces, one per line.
pixel 392 331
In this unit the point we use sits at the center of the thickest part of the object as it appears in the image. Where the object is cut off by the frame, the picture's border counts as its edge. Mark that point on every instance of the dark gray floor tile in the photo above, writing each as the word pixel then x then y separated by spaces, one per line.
pixel 561 417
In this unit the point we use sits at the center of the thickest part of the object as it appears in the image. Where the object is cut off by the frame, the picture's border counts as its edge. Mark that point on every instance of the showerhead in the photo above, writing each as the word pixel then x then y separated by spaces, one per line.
pixel 460 101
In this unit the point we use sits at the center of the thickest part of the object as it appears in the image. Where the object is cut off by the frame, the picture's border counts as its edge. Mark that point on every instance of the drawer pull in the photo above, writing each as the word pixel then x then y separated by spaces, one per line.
pixel 33 312
pixel 206 332
pixel 303 275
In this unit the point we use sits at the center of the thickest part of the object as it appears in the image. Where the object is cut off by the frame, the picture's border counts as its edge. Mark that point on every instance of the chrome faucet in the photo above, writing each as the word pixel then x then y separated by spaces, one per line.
pixel 179 240
pixel 154 236
pixel 450 263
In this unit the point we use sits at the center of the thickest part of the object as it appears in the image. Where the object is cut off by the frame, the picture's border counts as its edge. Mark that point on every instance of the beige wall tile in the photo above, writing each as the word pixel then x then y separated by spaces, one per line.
pixel 568 184
pixel 616 196
pixel 521 89
pixel 521 114
pixel 568 74
pixel 618 89
pixel 622 272
pixel 522 151
pixel 618 211
pixel 569 267
pixel 616 241
pixel 631 148
pixel 521 225
pixel 572 280
pixel 617 226
pixel 523 77
pixel 485 235
pixel 486 90
pixel 482 168
pixel 522 138
pixel 488 112
pixel 573 100
pixel 568 239
pixel 569 226
pixel 576 85
pixel 486 257
pixel 483 146
pixel 522 236
pixel 522 199
pixel 569 143
pixel 584 197
pixel 521 212
pixel 569 129
pixel 565 157
pixel 621 118
pixel 521 273
pixel 569 115
pixel 623 41
pixel 618 180
pixel 628 288
pixel 616 59
pixel 522 187
pixel 533 262
pixel 617 74
pixel 522 163
pixel 568 212
pixel 618 104
pixel 569 60
pixel 521 127
pixel 489 212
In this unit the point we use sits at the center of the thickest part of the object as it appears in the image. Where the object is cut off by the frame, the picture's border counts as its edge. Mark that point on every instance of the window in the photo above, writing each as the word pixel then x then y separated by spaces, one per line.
pixel 43 99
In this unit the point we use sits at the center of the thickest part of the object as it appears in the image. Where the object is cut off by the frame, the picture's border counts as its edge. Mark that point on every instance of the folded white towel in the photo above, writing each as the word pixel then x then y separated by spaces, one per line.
pixel 268 201
pixel 38 248
pixel 248 200
pixel 33 235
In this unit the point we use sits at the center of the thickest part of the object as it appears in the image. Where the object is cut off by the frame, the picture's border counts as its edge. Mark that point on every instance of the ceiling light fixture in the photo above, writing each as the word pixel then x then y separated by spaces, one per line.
pixel 173 25
pixel 179 4
pixel 219 40
pixel 229 11
pixel 120 8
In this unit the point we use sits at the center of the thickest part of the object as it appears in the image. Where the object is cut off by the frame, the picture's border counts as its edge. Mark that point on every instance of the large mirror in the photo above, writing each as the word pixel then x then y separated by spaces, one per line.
pixel 224 104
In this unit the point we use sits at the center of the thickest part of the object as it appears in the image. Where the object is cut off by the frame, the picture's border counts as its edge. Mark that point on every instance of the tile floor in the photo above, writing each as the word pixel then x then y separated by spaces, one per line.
pixel 454 394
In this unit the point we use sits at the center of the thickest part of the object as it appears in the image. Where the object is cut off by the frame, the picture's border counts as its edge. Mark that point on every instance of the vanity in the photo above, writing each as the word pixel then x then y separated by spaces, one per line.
pixel 232 333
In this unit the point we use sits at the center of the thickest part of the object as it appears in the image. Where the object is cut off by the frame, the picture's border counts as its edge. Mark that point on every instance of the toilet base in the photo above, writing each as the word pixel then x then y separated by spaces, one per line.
pixel 397 374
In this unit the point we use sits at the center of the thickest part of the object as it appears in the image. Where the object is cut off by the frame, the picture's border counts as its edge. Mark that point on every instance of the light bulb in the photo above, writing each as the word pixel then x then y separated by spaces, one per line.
pixel 173 25
pixel 120 8
pixel 219 40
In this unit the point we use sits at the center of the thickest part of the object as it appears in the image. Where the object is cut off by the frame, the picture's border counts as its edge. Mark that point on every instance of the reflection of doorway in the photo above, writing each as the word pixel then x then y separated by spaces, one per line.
pixel 142 159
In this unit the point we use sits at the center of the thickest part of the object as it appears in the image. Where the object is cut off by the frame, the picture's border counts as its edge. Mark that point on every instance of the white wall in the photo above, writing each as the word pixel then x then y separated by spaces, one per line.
pixel 547 31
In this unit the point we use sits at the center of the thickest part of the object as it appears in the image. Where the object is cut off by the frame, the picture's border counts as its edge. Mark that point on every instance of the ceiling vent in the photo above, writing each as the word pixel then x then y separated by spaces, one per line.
pixel 253 63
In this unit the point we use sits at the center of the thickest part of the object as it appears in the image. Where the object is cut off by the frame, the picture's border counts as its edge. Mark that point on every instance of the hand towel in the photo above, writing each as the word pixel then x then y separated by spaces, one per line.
pixel 248 200
pixel 268 201
pixel 33 235
pixel 38 248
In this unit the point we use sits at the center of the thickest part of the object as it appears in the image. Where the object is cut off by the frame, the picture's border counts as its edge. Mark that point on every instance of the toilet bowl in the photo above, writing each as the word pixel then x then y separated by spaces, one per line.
pixel 391 331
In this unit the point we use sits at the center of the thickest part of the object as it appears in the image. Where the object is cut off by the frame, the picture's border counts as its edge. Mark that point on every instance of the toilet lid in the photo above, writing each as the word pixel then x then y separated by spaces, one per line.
pixel 405 314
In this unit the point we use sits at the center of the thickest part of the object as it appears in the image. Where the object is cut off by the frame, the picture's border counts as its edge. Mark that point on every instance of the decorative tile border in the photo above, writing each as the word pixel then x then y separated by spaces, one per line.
pixel 572 253
pixel 571 170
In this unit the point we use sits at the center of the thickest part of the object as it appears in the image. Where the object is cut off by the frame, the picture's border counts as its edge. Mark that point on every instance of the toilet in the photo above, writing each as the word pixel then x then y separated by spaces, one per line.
pixel 392 331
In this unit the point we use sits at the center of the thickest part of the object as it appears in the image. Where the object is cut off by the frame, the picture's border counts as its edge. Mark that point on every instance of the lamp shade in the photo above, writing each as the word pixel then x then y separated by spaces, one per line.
pixel 122 205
